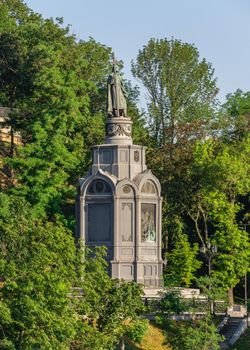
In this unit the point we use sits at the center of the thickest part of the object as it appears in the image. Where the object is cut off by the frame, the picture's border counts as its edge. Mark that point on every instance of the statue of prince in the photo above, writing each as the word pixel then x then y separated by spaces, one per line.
pixel 116 99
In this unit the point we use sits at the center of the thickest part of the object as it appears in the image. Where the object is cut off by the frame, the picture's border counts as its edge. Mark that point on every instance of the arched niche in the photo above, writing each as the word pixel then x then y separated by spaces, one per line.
pixel 99 211
pixel 100 176
pixel 148 188
pixel 99 187
pixel 126 191
pixel 148 222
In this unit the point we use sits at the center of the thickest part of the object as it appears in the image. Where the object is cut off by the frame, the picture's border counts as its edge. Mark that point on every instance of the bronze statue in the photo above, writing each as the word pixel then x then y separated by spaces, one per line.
pixel 116 99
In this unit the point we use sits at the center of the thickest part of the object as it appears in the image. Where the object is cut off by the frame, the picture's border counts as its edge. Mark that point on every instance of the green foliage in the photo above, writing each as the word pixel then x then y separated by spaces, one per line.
pixel 181 109
pixel 220 173
pixel 197 335
pixel 107 304
pixel 236 115
pixel 243 342
pixel 181 88
pixel 182 263
pixel 171 303
pixel 185 335
pixel 213 288
pixel 54 86
pixel 137 330
pixel 52 297
pixel 222 167
pixel 37 272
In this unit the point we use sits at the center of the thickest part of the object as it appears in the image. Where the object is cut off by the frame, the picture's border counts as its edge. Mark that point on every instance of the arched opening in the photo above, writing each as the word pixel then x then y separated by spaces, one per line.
pixel 99 212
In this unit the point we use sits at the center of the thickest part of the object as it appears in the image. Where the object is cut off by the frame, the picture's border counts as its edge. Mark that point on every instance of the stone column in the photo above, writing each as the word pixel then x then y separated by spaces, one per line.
pixel 139 272
pixel 116 239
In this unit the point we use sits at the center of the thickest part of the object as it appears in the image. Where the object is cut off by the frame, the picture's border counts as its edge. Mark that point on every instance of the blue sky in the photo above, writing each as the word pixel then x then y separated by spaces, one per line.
pixel 220 29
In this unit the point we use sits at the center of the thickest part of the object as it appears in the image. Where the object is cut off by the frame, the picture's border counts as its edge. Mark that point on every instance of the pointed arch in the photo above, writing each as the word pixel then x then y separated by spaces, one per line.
pixel 148 177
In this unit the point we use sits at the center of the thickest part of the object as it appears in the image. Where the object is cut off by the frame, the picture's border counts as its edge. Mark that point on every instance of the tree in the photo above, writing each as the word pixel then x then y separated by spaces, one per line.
pixel 140 132
pixel 108 306
pixel 52 296
pixel 37 272
pixel 181 88
pixel 181 109
pixel 236 115
pixel 170 303
pixel 53 85
pixel 219 177
pixel 182 263
pixel 197 335
pixel 137 330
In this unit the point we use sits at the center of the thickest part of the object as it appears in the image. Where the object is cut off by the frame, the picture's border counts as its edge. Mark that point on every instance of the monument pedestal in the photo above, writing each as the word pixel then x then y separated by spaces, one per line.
pixel 119 131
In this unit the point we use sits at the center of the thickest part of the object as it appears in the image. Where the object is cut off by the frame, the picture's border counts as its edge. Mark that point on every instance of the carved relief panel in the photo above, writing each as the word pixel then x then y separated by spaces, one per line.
pixel 136 156
pixel 127 189
pixel 148 222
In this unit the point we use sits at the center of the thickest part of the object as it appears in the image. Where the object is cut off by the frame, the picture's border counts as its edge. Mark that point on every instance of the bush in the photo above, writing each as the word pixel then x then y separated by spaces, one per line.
pixel 172 303
pixel 137 330
pixel 196 334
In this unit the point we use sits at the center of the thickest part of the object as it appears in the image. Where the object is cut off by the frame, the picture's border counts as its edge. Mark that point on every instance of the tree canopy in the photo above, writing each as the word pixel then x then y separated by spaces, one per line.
pixel 181 89
pixel 54 296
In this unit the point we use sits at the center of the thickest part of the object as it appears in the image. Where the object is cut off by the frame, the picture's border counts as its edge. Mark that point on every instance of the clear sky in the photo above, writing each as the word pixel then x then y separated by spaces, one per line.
pixel 220 29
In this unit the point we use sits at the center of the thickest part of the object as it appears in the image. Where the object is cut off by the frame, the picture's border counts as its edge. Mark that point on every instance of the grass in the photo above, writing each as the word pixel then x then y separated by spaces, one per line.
pixel 243 343
pixel 153 340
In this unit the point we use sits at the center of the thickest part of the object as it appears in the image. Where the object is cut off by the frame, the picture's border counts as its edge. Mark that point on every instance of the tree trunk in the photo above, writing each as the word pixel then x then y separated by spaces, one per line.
pixel 122 344
pixel 12 145
pixel 230 297
pixel 165 243
pixel 11 142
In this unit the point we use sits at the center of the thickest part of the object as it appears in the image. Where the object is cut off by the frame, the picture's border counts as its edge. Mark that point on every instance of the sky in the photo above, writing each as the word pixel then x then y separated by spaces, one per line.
pixel 220 29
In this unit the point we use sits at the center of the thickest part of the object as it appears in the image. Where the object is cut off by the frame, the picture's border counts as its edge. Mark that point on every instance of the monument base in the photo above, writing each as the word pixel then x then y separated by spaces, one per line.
pixel 119 131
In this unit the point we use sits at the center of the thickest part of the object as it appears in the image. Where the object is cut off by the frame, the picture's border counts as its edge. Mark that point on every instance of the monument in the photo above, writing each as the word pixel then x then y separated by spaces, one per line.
pixel 119 200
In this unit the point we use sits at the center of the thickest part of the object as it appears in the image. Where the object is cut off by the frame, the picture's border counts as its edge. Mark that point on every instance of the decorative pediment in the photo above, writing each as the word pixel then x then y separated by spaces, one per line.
pixel 126 187
pixel 148 183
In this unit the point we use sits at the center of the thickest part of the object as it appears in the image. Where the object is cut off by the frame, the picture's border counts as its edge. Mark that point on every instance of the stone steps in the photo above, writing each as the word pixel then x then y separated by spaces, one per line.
pixel 229 329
